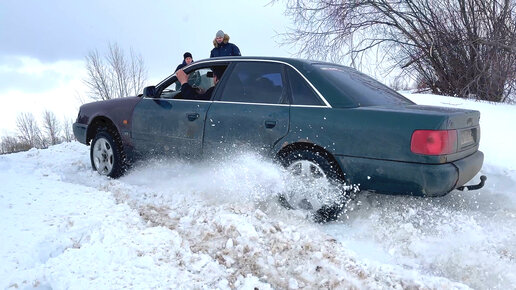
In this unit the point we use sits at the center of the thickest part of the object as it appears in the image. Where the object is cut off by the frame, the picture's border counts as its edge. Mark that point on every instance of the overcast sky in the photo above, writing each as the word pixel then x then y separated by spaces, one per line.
pixel 43 43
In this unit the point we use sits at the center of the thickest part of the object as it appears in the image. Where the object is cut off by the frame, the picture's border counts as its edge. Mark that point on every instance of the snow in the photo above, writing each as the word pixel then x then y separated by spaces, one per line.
pixel 218 225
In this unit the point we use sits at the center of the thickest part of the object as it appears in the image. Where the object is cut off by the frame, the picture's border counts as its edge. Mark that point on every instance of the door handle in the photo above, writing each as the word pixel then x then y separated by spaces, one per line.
pixel 192 116
pixel 270 124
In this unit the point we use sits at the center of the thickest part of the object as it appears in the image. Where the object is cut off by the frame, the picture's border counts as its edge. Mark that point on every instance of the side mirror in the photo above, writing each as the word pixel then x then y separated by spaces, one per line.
pixel 149 92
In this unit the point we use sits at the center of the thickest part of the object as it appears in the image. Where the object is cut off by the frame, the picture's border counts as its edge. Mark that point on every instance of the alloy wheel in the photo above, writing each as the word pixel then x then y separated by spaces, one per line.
pixel 103 156
pixel 310 190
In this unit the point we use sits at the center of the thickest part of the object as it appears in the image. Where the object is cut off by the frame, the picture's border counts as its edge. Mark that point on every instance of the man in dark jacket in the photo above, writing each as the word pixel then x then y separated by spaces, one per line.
pixel 223 47
pixel 187 59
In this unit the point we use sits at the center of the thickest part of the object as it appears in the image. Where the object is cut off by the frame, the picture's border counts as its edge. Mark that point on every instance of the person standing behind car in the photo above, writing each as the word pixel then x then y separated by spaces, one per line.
pixel 187 59
pixel 223 47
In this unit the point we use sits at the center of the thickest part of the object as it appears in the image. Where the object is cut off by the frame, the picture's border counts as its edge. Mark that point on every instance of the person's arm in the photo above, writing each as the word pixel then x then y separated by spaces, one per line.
pixel 182 77
pixel 187 92
pixel 207 95
pixel 236 50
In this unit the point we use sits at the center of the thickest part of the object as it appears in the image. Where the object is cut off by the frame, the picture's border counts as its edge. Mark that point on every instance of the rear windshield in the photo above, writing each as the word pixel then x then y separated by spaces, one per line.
pixel 357 86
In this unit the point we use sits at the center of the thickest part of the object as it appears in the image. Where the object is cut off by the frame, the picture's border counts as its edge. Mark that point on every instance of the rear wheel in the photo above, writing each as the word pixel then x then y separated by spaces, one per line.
pixel 317 187
pixel 106 154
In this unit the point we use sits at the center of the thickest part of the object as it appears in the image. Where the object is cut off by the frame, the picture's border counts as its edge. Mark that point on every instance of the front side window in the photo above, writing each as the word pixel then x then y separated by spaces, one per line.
pixel 201 80
pixel 255 82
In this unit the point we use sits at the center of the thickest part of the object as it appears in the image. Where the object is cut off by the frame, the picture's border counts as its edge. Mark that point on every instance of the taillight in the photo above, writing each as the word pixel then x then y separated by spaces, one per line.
pixel 434 142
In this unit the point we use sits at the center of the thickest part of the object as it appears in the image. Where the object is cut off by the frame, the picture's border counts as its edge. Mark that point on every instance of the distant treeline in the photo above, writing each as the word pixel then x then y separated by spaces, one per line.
pixel 30 134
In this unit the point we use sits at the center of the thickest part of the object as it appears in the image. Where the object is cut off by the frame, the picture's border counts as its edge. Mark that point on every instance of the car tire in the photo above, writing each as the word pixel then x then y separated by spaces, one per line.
pixel 107 155
pixel 319 165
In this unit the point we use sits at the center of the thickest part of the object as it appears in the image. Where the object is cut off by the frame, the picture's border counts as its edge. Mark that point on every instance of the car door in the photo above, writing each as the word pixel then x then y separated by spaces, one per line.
pixel 250 111
pixel 171 125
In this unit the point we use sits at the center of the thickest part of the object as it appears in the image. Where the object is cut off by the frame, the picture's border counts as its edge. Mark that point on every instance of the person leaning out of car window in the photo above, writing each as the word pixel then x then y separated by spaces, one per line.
pixel 190 93
pixel 223 47
pixel 187 59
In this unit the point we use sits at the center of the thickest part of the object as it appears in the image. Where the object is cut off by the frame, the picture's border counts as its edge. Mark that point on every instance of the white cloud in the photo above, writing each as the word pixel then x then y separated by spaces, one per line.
pixel 34 66
pixel 60 97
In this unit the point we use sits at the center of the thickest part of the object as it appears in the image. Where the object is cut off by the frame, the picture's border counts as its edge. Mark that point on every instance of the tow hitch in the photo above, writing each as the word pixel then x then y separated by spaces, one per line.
pixel 474 187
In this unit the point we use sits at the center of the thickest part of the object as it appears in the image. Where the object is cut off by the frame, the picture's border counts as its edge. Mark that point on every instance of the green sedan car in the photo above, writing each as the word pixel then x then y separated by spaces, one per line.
pixel 320 120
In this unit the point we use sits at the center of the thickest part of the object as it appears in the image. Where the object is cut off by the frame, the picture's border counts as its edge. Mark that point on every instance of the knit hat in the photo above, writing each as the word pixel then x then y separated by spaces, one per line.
pixel 220 33
pixel 187 54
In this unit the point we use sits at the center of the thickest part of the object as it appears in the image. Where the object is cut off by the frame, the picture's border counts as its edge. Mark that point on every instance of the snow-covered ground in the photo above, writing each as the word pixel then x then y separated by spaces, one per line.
pixel 170 224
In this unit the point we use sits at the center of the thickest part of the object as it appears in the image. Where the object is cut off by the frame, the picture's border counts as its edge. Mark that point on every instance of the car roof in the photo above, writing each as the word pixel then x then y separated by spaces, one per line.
pixel 283 59
pixel 297 62
pixel 333 94
pixel 304 66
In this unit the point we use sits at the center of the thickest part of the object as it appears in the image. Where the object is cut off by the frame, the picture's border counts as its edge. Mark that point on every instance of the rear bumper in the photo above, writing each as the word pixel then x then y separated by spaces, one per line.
pixel 468 167
pixel 80 131
pixel 419 179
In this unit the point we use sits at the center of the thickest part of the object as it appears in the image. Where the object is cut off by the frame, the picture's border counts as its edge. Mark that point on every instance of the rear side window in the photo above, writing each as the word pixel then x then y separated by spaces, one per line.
pixel 254 82
pixel 302 93
pixel 365 90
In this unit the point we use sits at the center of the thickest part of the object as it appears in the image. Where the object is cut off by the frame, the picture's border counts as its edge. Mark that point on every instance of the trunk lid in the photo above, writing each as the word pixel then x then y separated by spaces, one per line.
pixel 465 122
pixel 393 126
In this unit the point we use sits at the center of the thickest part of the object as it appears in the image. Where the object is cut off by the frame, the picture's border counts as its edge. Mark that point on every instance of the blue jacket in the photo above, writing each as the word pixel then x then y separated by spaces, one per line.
pixel 180 66
pixel 225 48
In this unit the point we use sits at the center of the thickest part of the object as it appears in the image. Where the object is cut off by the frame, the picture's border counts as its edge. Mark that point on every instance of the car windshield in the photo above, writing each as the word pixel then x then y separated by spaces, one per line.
pixel 365 90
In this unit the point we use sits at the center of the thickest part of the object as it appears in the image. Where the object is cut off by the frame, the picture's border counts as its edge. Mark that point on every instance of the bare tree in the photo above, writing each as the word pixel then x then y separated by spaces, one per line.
pixel 119 70
pixel 51 126
pixel 67 130
pixel 465 48
pixel 114 76
pixel 137 73
pixel 9 144
pixel 98 80
pixel 30 136
pixel 29 132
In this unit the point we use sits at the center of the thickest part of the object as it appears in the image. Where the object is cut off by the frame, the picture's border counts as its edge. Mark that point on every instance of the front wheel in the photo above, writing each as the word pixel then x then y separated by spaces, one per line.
pixel 317 185
pixel 106 154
